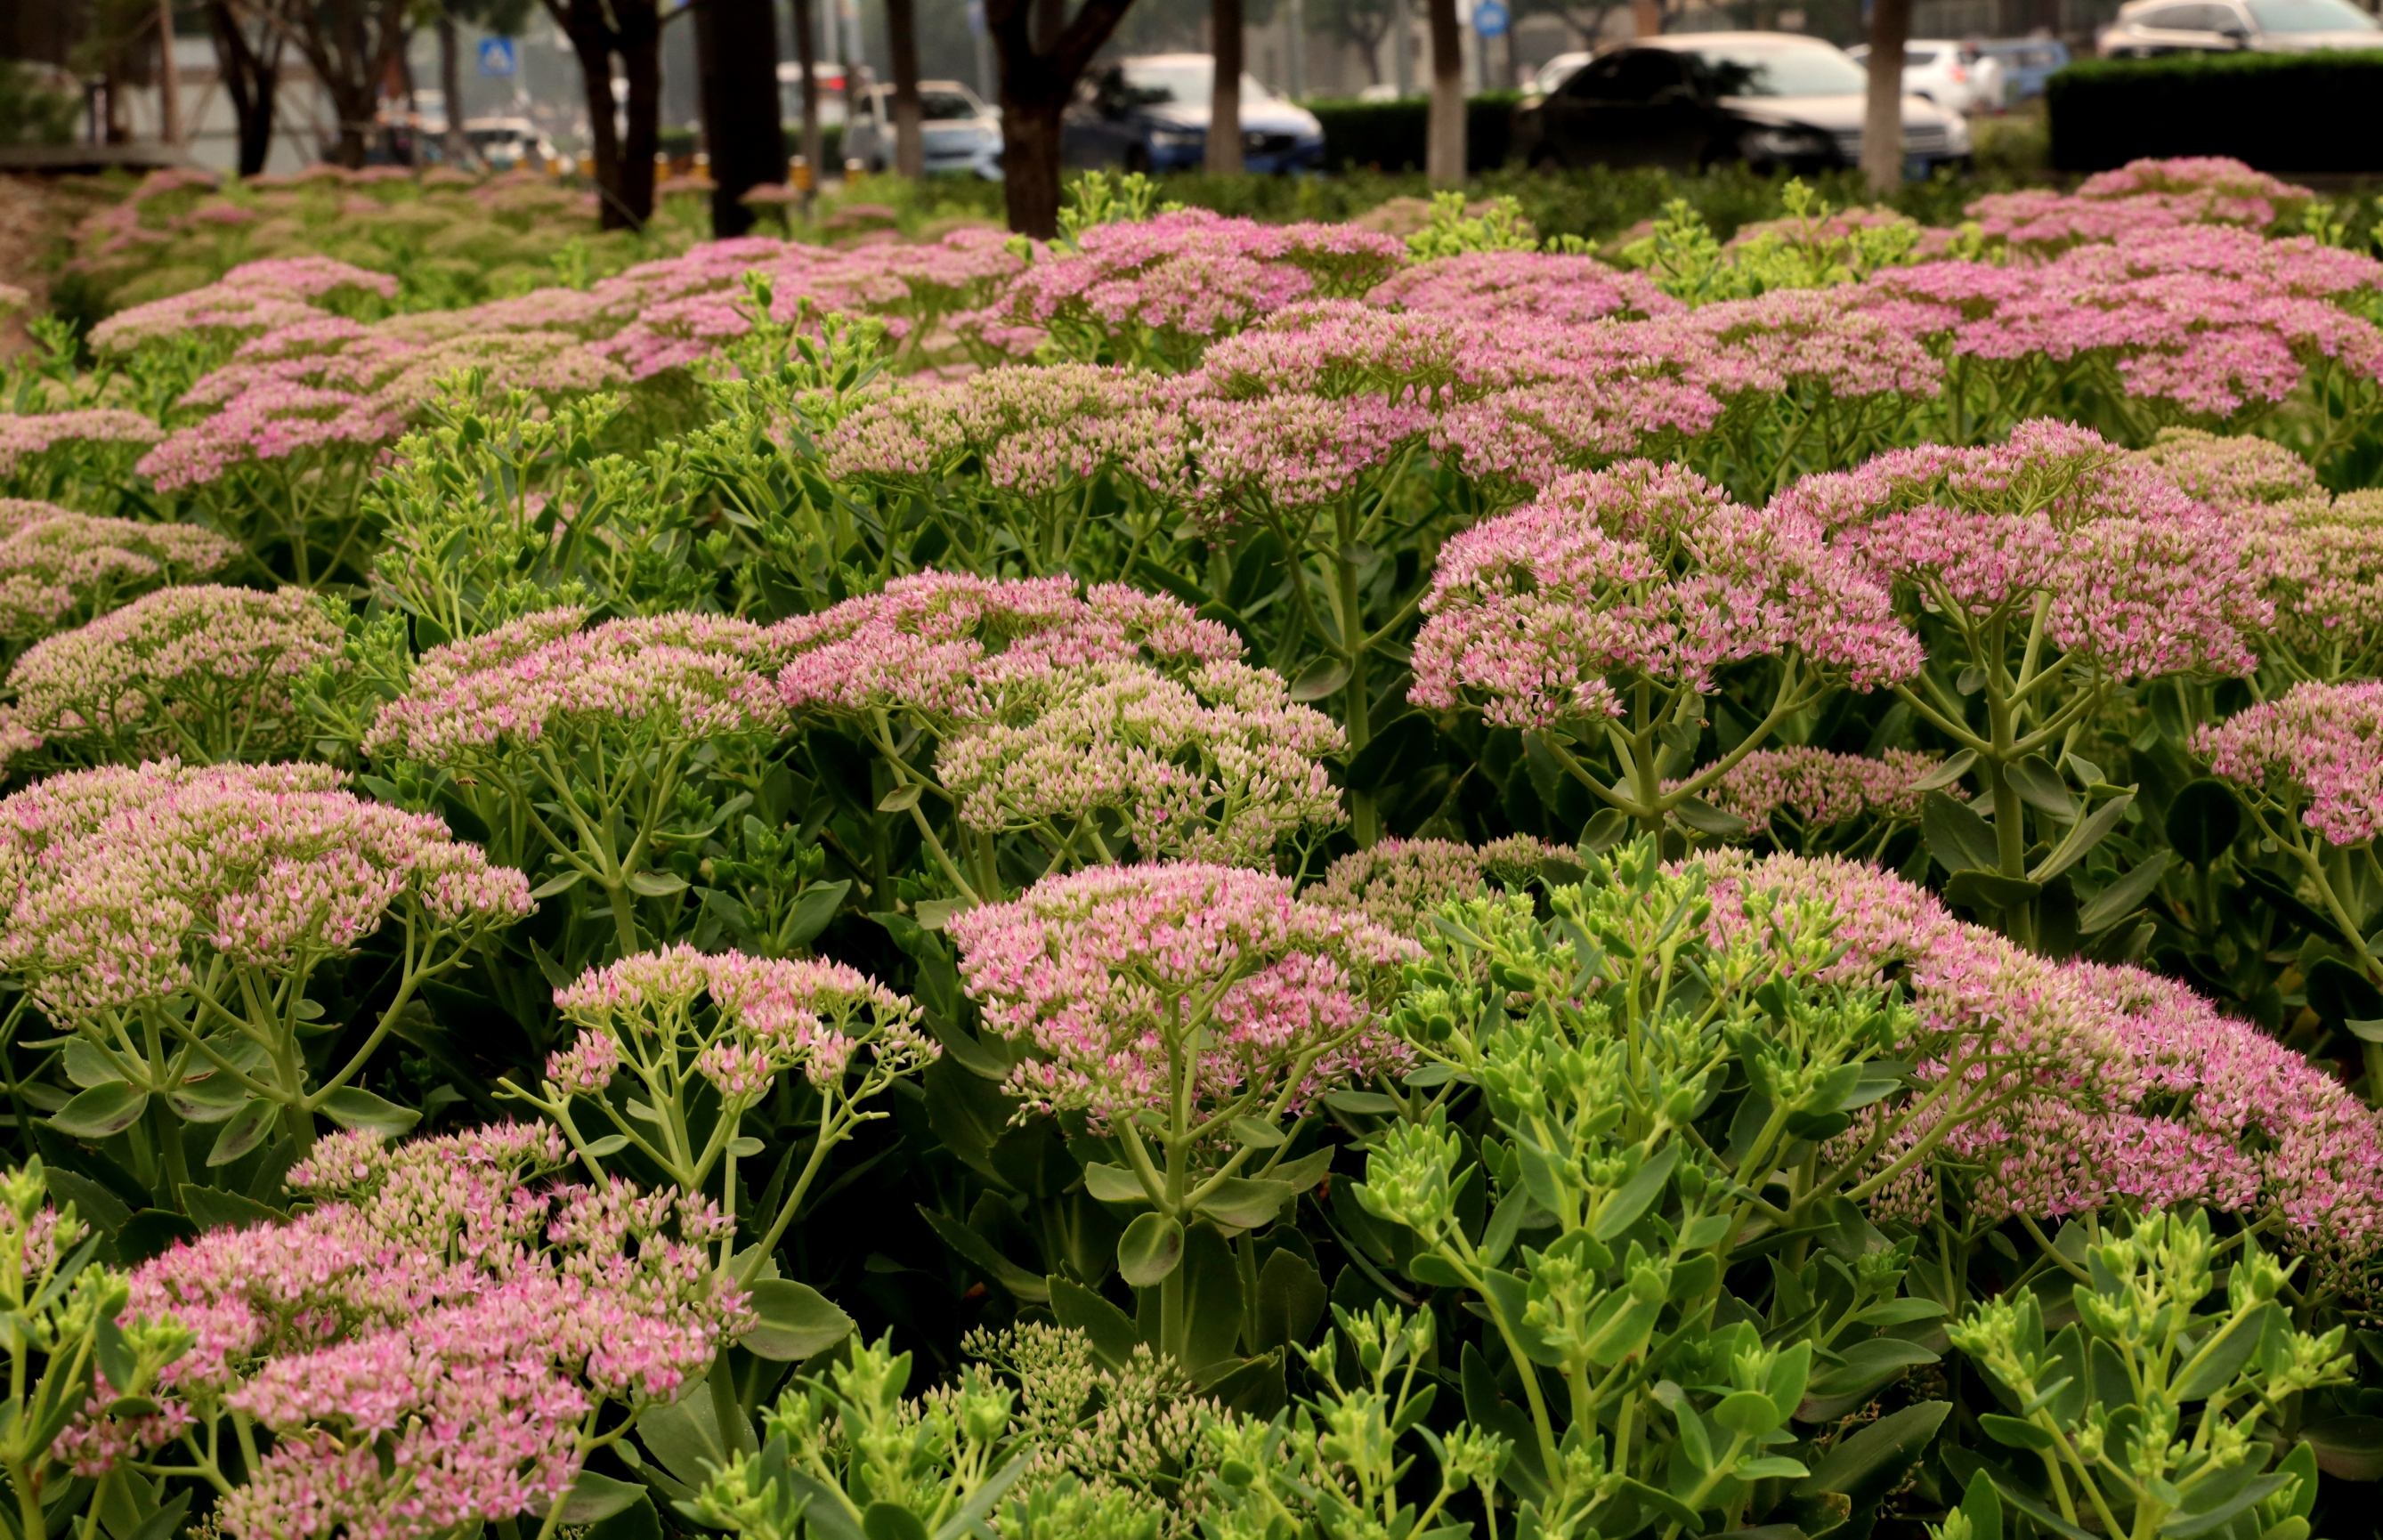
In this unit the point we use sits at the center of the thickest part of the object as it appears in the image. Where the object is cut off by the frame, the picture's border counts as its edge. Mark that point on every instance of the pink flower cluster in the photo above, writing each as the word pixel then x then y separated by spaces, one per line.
pixel 1033 432
pixel 771 1014
pixel 1395 882
pixel 2140 579
pixel 37 433
pixel 59 568
pixel 1645 569
pixel 1168 284
pixel 126 882
pixel 2132 1088
pixel 1511 289
pixel 2318 749
pixel 2230 473
pixel 1820 789
pixel 1094 971
pixel 946 645
pixel 693 676
pixel 2140 197
pixel 428 1343
pixel 1222 766
pixel 253 297
pixel 197 667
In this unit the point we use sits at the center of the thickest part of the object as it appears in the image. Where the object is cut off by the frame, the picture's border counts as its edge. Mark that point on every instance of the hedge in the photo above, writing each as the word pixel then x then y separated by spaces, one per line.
pixel 2279 112
pixel 1391 136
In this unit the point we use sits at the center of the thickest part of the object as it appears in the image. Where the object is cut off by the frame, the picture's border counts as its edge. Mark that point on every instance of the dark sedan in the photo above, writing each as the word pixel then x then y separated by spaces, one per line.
pixel 1774 100
pixel 1150 114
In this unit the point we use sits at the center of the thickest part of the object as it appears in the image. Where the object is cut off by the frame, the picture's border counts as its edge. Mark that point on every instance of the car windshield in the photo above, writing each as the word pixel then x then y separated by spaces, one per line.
pixel 944 106
pixel 2311 16
pixel 1150 85
pixel 1795 71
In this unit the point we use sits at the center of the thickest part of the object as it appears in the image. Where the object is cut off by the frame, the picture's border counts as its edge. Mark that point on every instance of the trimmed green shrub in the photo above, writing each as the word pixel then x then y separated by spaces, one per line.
pixel 1391 136
pixel 2279 112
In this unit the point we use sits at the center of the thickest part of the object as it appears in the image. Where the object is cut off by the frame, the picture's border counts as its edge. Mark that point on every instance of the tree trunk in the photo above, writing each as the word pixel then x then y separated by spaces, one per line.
pixel 1445 161
pixel 1035 87
pixel 251 78
pixel 458 148
pixel 641 65
pixel 1882 152
pixel 1224 92
pixel 806 60
pixel 737 61
pixel 356 109
pixel 1050 20
pixel 902 42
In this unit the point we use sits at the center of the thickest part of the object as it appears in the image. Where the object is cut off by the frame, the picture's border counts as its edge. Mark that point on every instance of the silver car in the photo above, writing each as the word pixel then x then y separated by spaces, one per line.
pixel 2148 28
pixel 961 135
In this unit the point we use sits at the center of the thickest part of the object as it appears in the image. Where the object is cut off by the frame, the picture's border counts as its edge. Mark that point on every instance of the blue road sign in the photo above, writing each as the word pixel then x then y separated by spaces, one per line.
pixel 497 60
pixel 1490 19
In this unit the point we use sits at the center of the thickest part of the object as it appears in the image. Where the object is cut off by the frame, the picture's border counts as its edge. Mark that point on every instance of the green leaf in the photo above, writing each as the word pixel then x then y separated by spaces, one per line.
pixel 2349 1448
pixel 1114 1184
pixel 1957 836
pixel 1990 889
pixel 2017 1432
pixel 1245 1203
pixel 2079 841
pixel 1599 834
pixel 813 908
pixel 1865 1367
pixel 2184 1526
pixel 1257 1134
pixel 933 914
pixel 1747 1414
pixel 2203 820
pixel 94 1204
pixel 1150 1247
pixel 796 1321
pixel 103 1112
pixel 1320 680
pixel 976 1249
pixel 2216 1361
pixel 656 884
pixel 150 1233
pixel 1874 1461
pixel 555 887
pixel 208 1100
pixel 2040 786
pixel 1771 1466
pixel 1292 1297
pixel 1706 819
pixel 901 799
pixel 215 1210
pixel 1898 1312
pixel 1111 1332
pixel 2124 896
pixel 595 1495
pixel 1983 1507
pixel 1360 1104
pixel 244 1132
pixel 2339 993
pixel 1949 773
pixel 891 1522
pixel 1638 1194
pixel 610 1144
pixel 351 1108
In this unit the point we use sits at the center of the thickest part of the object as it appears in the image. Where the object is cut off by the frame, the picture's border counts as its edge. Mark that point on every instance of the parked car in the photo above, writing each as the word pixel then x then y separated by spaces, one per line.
pixel 2028 63
pixel 2148 28
pixel 1688 100
pixel 1951 75
pixel 960 135
pixel 1557 70
pixel 790 92
pixel 1150 114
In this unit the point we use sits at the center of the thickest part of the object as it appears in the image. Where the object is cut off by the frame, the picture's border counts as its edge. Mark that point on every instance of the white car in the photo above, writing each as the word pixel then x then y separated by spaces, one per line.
pixel 2146 29
pixel 959 133
pixel 1953 75
pixel 1557 70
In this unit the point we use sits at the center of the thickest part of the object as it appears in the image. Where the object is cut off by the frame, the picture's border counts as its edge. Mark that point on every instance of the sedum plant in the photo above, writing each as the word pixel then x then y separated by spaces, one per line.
pixel 60 570
pixel 178 924
pixel 2151 1415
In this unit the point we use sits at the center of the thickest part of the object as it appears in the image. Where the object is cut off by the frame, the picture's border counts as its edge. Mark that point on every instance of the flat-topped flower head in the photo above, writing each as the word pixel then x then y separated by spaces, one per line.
pixel 200 670
pixel 1820 789
pixel 2318 750
pixel 2138 198
pixel 424 1344
pixel 253 297
pixel 1643 570
pixel 2230 471
pixel 764 1016
pixel 1345 347
pixel 944 645
pixel 2137 576
pixel 1032 431
pixel 270 422
pixel 2321 562
pixel 131 879
pixel 60 569
pixel 1522 288
pixel 1396 882
pixel 1096 970
pixel 30 436
pixel 1221 765
pixel 692 677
